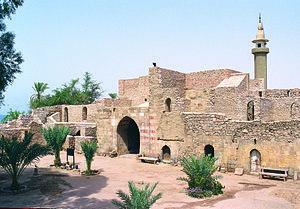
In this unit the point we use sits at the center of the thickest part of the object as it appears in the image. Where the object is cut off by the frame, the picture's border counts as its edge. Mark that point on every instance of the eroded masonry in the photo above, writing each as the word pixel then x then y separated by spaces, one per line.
pixel 219 112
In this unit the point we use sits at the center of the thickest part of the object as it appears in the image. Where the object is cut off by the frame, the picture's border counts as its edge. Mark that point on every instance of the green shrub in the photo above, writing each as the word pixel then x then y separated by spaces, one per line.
pixel 89 150
pixel 200 178
pixel 138 199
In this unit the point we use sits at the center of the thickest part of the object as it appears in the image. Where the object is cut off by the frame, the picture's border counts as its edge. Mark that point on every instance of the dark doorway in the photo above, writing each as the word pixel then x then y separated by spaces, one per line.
pixel 66 115
pixel 255 161
pixel 77 133
pixel 168 105
pixel 166 153
pixel 128 137
pixel 209 150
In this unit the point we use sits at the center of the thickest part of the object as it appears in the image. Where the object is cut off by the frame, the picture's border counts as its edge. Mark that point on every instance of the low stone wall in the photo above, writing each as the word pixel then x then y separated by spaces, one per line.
pixel 44 112
pixel 74 142
pixel 278 142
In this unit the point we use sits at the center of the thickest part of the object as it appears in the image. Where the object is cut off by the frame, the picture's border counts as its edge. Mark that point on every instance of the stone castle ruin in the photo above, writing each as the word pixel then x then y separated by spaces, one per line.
pixel 219 112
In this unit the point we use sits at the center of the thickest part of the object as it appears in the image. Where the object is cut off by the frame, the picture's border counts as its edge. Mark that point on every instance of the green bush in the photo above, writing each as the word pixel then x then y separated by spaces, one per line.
pixel 138 199
pixel 89 150
pixel 200 178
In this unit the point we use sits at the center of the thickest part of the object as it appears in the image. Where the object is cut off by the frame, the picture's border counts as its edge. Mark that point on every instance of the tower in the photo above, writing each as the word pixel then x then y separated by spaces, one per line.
pixel 260 54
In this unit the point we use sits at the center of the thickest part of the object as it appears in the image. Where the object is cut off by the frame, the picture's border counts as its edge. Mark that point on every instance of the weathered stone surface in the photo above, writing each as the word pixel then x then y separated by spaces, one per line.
pixel 239 171
pixel 188 114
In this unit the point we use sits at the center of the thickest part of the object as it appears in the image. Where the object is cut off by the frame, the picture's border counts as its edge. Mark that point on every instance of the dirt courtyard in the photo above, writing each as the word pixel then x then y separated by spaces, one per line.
pixel 59 188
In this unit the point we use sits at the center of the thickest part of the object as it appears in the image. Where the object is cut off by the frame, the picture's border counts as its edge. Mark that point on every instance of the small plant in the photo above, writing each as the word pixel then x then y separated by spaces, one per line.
pixel 138 199
pixel 200 180
pixel 55 138
pixel 199 193
pixel 16 155
pixel 89 150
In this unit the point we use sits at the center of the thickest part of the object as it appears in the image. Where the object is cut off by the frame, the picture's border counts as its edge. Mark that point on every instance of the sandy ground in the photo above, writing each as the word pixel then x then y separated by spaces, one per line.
pixel 58 188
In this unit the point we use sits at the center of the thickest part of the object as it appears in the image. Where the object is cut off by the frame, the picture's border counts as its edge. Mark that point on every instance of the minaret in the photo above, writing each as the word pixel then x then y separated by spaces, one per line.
pixel 260 54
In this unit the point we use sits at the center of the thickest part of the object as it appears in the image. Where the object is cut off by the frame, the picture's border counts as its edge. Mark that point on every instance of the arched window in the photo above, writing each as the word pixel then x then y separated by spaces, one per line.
pixel 66 115
pixel 168 105
pixel 250 111
pixel 84 113
pixel 295 110
pixel 209 150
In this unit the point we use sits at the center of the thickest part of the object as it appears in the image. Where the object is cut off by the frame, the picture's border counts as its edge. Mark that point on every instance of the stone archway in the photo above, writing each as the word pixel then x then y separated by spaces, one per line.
pixel 255 161
pixel 128 137
pixel 208 149
pixel 166 153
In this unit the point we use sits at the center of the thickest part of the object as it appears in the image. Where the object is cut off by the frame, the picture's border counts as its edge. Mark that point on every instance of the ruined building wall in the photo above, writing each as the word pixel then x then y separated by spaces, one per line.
pixel 210 78
pixel 109 102
pixel 107 128
pixel 79 113
pixel 165 85
pixel 167 96
pixel 196 99
pixel 278 142
pixel 230 98
pixel 256 84
pixel 136 90
pixel 44 112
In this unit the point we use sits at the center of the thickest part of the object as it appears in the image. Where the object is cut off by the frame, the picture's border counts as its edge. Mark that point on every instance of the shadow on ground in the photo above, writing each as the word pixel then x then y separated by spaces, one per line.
pixel 53 188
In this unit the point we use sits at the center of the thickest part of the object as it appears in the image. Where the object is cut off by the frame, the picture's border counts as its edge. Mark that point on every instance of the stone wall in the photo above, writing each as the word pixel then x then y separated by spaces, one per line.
pixel 278 142
pixel 165 85
pixel 196 100
pixel 44 112
pixel 136 90
pixel 74 142
pixel 107 126
pixel 282 93
pixel 79 113
pixel 109 102
pixel 210 78
pixel 79 129
pixel 256 84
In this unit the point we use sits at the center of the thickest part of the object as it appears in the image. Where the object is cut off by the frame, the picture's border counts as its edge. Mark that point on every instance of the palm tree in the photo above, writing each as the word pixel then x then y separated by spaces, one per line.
pixel 16 155
pixel 55 138
pixel 89 150
pixel 12 115
pixel 39 88
pixel 139 198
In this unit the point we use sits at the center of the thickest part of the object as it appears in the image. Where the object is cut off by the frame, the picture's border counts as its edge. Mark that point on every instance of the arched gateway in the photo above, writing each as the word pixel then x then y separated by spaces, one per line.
pixel 128 137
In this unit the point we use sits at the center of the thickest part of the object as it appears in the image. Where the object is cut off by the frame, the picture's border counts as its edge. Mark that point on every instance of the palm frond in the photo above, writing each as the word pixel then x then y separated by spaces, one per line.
pixel 139 198
pixel 16 155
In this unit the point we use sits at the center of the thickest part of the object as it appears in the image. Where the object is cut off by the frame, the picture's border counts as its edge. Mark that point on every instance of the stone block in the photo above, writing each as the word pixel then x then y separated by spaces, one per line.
pixel 239 171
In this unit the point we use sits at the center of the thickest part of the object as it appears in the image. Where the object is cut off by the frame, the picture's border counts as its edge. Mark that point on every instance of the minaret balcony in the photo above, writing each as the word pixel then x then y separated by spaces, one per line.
pixel 264 50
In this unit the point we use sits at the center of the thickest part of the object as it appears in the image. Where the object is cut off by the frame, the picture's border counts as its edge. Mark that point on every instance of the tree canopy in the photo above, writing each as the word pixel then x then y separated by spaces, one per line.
pixel 71 94
pixel 12 115
pixel 10 60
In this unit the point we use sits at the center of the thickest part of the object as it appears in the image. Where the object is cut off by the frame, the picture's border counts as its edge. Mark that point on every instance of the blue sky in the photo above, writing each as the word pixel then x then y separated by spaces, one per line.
pixel 119 39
